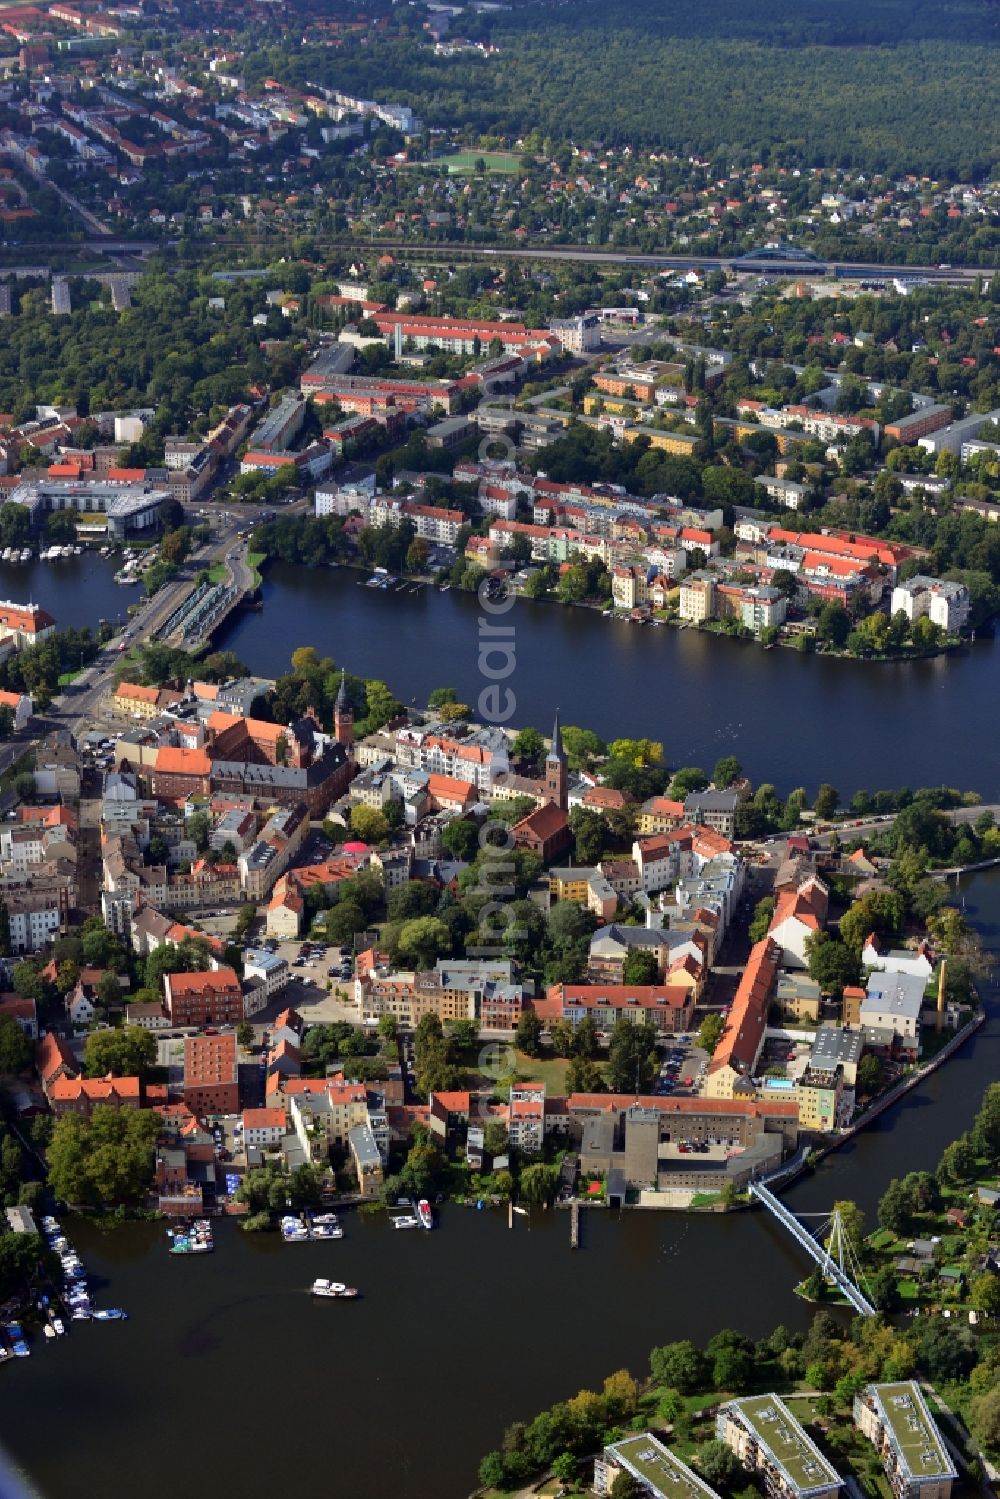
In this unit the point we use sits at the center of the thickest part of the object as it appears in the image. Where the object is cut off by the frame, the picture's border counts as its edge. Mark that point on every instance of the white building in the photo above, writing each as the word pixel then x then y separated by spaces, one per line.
pixel 944 603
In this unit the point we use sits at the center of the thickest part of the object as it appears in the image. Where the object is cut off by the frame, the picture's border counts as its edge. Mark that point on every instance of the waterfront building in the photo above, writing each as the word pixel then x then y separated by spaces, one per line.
pixel 661 1474
pixel 890 1012
pixel 768 1440
pixel 896 1420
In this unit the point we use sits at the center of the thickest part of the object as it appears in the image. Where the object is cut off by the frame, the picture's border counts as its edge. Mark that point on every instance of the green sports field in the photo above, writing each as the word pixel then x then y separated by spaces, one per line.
pixel 496 161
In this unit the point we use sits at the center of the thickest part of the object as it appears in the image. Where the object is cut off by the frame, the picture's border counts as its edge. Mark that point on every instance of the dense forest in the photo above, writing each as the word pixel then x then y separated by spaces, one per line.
pixel 873 86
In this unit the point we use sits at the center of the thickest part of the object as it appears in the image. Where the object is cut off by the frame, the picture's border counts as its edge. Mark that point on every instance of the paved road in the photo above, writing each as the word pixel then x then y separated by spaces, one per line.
pixel 435 250
pixel 861 827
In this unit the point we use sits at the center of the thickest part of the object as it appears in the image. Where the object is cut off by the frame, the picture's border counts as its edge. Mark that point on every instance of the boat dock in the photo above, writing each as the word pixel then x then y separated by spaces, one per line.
pixel 574 1225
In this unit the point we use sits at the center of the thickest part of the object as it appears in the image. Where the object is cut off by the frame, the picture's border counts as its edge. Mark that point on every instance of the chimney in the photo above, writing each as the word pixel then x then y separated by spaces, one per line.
pixel 939 1019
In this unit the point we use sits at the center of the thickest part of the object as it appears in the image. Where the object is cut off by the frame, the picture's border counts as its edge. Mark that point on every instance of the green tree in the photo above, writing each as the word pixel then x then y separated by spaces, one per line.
pixel 528 1035
pixel 710 1032
pixel 15 1047
pixel 106 1160
pixel 632 1060
pixel 984 1294
pixel 870 1075
pixel 584 1076
pixel 539 1182
pixel 245 1033
pixel 958 1162
pixel 129 1052
pixel 984 1418
pixel 831 963
pixel 640 967
pixel 368 824
pixel 761 919
pixel 727 770
pixel 827 800
pixel 852 1221
pixel 718 1465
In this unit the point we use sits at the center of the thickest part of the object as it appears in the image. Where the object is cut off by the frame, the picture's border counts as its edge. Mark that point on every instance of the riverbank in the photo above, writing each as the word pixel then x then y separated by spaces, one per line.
pixel 789 639
pixel 712 696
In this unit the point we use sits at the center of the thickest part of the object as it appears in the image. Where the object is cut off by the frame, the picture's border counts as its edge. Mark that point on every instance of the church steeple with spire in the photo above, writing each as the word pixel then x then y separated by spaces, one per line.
pixel 556 775
pixel 343 715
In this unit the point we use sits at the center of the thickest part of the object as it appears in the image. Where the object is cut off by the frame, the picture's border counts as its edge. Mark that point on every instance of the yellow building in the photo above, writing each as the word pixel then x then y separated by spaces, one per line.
pixel 680 443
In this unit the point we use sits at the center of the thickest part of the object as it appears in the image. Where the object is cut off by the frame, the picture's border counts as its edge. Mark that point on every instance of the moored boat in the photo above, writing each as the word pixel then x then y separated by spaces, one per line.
pixel 406 1220
pixel 425 1213
pixel 110 1314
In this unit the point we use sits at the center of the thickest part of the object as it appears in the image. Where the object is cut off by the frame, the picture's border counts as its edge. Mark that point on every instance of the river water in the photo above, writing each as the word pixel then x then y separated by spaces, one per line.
pixel 228 1378
pixel 76 591
pixel 791 719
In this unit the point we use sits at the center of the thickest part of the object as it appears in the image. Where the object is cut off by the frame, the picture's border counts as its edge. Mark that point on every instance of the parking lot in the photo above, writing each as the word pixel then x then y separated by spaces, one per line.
pixel 682 1068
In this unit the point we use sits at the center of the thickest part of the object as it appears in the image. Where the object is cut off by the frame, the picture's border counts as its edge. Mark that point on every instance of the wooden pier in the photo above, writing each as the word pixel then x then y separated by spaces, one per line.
pixel 574 1225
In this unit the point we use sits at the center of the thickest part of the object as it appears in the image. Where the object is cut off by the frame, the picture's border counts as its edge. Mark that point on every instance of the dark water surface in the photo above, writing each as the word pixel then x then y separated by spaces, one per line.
pixel 229 1379
pixel 77 591
pixel 791 719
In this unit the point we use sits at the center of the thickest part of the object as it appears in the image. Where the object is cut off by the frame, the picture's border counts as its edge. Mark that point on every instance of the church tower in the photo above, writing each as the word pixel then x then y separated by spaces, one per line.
pixel 343 715
pixel 556 777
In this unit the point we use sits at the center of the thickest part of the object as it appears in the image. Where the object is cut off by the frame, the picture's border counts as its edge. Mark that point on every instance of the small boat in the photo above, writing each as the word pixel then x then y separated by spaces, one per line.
pixel 332 1289
pixel 17 1341
pixel 50 1225
pixel 407 1220
pixel 48 1330
pixel 325 1226
pixel 195 1238
pixel 424 1213
pixel 294 1231
pixel 81 1314
pixel 58 1326
pixel 110 1314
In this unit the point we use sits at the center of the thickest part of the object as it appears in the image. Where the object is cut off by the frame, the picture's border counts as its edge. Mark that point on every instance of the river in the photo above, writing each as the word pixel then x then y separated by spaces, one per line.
pixel 76 591
pixel 228 1378
pixel 791 719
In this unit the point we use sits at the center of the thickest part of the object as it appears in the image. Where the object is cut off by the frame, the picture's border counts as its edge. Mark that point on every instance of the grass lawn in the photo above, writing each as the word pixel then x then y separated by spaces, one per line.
pixel 495 161
pixel 67 677
pixel 217 573
pixel 704 1199
pixel 546 1069
pixel 254 560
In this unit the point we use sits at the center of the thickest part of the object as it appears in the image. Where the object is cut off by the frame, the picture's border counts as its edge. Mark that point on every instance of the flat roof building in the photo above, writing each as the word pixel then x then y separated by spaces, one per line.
pixel 662 1474
pixel 768 1440
pixel 896 1420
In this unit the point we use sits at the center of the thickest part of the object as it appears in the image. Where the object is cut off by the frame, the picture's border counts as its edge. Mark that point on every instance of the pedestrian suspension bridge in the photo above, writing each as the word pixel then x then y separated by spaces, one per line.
pixel 831 1248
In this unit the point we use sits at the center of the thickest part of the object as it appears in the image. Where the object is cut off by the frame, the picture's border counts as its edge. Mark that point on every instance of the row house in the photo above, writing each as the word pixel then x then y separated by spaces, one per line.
pixel 668 1007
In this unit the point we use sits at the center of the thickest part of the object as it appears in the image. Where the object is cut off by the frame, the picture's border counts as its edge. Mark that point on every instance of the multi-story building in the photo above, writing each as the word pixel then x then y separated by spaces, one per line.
pixel 667 1007
pixel 24 624
pixel 211 1079
pixel 715 809
pixel 944 603
pixel 896 1420
pixel 890 1012
pixel 658 1472
pixel 263 1127
pixel 768 1440
pixel 735 1058
pixel 210 997
pixel 526 1117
